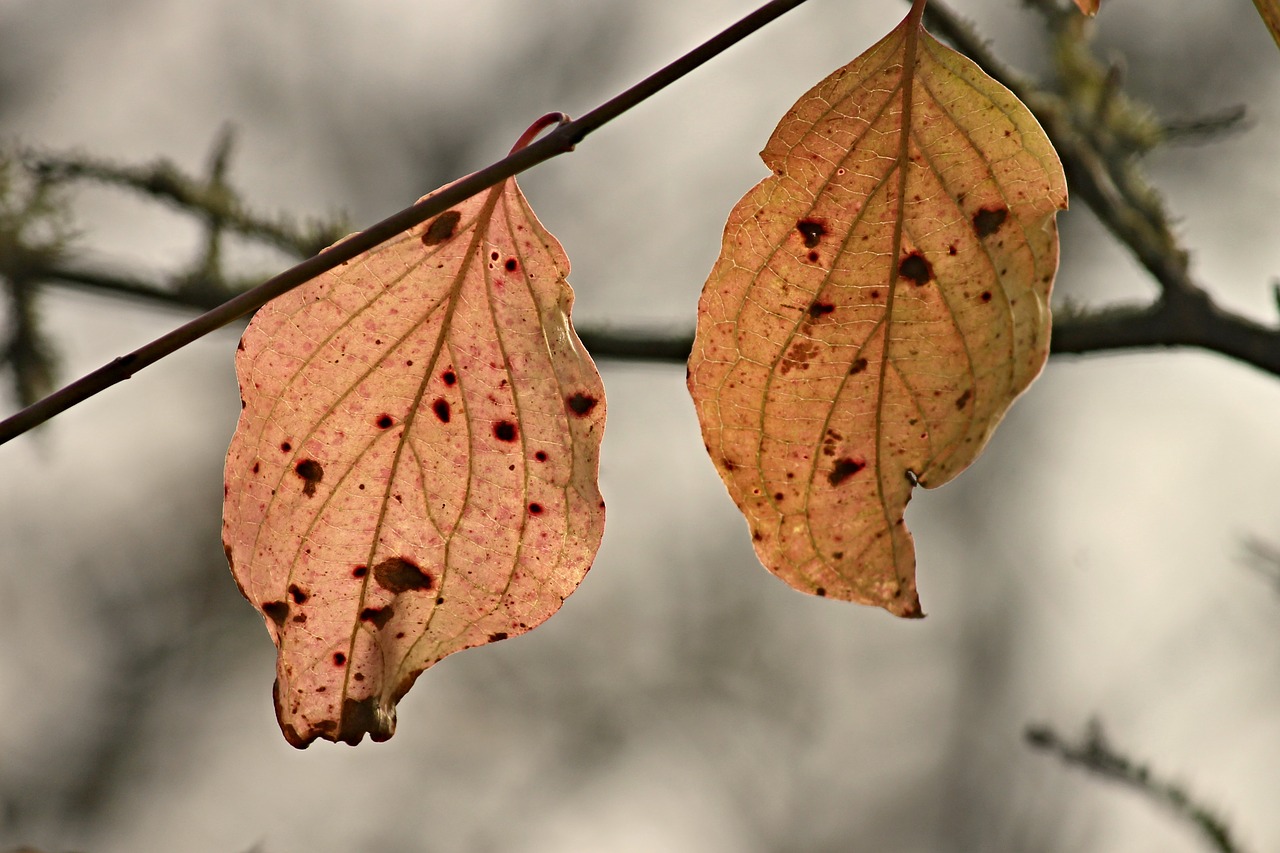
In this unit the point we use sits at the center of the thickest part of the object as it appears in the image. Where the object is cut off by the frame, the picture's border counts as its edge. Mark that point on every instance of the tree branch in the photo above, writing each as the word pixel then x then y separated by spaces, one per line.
pixel 1095 754
pixel 559 141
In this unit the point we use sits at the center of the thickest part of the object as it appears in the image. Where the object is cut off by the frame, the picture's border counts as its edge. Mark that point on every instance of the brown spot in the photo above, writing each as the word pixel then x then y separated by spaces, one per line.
pixel 300 618
pixel 441 408
pixel 396 574
pixel 757 536
pixel 812 231
pixel 278 611
pixel 497 635
pixel 728 465
pixel 964 398
pixel 504 431
pixel 581 404
pixel 819 309
pixel 441 228
pixel 296 593
pixel 379 616
pixel 821 592
pixel 838 555
pixel 813 257
pixel 449 377
pixel 311 473
pixel 916 269
pixel 859 365
pixel 226 549
pixel 286 446
pixel 339 658
pixel 844 469
pixel 951 250
pixel 511 265
pixel 988 220
pixel 385 421
pixel 359 571
pixel 986 296
pixel 256 467
pixel 541 456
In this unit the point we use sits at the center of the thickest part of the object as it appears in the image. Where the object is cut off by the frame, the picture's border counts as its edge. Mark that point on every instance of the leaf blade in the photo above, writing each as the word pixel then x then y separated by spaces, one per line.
pixel 911 270
pixel 408 478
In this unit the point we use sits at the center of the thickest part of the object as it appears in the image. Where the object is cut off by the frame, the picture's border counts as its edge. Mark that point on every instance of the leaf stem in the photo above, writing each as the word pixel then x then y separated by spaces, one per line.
pixel 560 141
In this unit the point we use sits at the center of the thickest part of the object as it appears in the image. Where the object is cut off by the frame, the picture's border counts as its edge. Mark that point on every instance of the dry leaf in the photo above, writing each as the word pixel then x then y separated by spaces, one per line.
pixel 414 472
pixel 1270 12
pixel 878 303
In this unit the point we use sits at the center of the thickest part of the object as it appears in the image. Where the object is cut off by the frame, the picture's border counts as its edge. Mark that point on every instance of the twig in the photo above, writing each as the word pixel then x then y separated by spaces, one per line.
pixel 1096 755
pixel 559 141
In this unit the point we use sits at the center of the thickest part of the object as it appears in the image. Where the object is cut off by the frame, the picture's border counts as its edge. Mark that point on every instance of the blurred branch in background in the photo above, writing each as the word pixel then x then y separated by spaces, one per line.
pixel 1095 754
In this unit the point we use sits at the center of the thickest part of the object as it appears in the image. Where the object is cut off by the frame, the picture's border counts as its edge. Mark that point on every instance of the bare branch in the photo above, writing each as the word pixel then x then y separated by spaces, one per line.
pixel 1095 754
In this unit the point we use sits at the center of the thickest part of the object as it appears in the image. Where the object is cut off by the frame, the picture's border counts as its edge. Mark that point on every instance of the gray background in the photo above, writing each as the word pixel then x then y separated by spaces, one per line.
pixel 683 700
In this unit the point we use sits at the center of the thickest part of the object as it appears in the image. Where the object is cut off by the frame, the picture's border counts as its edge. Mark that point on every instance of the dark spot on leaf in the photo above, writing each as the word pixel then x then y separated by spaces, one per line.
pixel 875 294
pixel 385 421
pixel 916 269
pixel 379 616
pixel 359 676
pixel 821 592
pixel 298 596
pixel 813 257
pixel 278 611
pixel 844 469
pixel 812 231
pixel 286 446
pixel 441 228
pixel 441 408
pixel 819 309
pixel 396 574
pixel 580 404
pixel 964 398
pixel 951 250
pixel 511 265
pixel 449 377
pixel 838 555
pixel 988 220
pixel 986 296
pixel 300 618
pixel 536 509
pixel 504 431
pixel 359 571
pixel 311 473
pixel 497 635
pixel 339 658
pixel 859 365
pixel 541 456
pixel 729 465
pixel 756 536
pixel 256 467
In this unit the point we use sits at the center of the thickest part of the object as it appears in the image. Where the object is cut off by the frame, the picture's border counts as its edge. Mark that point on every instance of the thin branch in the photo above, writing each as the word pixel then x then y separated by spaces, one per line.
pixel 1099 162
pixel 559 141
pixel 1095 754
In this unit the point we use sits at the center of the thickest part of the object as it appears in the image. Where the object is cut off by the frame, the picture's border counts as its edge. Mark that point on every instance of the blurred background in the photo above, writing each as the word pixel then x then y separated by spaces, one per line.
pixel 1092 564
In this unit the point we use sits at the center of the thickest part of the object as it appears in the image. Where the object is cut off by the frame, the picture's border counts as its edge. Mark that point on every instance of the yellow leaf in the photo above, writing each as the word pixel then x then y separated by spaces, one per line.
pixel 878 303
pixel 414 471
